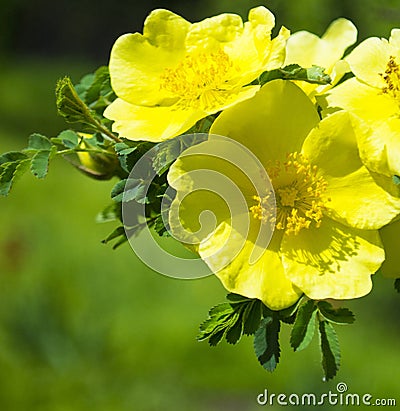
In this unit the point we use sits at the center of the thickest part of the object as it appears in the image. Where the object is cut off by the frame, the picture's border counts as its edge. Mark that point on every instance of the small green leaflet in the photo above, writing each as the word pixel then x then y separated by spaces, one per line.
pixel 35 157
pixel 38 142
pixel 40 162
pixel 129 152
pixel 335 315
pixel 231 320
pixel 330 350
pixel 304 326
pixel 266 342
pixel 11 171
pixel 112 212
pixel 95 90
pixel 313 75
pixel 118 233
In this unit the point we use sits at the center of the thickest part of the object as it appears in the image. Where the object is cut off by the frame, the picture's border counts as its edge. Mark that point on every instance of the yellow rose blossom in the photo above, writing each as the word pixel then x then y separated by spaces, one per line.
pixel 326 243
pixel 176 73
pixel 307 49
pixel 373 96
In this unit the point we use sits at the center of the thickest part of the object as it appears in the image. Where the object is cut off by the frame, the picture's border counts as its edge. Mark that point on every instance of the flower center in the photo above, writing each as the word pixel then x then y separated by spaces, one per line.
pixel 197 78
pixel 298 190
pixel 392 79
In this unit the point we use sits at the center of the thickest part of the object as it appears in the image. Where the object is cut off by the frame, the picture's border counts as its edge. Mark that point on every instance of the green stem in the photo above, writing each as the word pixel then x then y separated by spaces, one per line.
pixel 107 132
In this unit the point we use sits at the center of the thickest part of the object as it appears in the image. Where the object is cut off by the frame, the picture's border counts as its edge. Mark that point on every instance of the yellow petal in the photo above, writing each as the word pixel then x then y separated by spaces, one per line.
pixel 208 34
pixel 332 261
pixel 390 238
pixel 369 59
pixel 263 279
pixel 340 34
pixel 380 147
pixel 166 30
pixel 137 61
pixel 253 52
pixel 150 123
pixel 362 100
pixel 215 101
pixel 352 191
pixel 306 49
pixel 276 54
pixel 394 39
pixel 271 124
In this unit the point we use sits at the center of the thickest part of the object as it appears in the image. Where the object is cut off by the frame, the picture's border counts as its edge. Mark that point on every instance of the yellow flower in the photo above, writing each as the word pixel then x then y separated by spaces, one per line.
pixel 176 73
pixel 307 49
pixel 373 95
pixel 328 207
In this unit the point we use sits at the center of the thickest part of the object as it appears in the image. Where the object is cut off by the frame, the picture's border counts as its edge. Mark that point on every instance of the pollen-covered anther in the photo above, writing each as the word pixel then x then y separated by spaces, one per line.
pixel 391 77
pixel 299 190
pixel 263 209
pixel 197 77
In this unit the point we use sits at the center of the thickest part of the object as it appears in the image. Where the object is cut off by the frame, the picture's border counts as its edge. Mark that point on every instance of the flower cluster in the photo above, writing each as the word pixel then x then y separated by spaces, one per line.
pixel 275 161
pixel 330 150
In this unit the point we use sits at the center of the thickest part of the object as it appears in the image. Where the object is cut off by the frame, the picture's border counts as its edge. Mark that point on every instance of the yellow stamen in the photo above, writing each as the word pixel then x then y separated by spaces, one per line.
pixel 298 189
pixel 198 78
pixel 392 79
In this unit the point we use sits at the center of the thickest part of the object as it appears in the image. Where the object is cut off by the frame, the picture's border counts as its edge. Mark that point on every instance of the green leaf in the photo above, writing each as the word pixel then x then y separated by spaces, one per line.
pixel 252 317
pixel 84 84
pixel 266 343
pixel 123 239
pixel 129 152
pixel 216 320
pixel 168 151
pixel 288 315
pixel 313 75
pixel 12 156
pixel 304 326
pixel 130 189
pixel 100 87
pixel 136 189
pixel 216 338
pixel 396 180
pixel 397 284
pixel 111 213
pixel 237 298
pixel 234 331
pixel 223 320
pixel 335 315
pixel 117 191
pixel 119 232
pixel 39 142
pixel 330 350
pixel 11 171
pixel 159 227
pixel 40 163
pixel 69 138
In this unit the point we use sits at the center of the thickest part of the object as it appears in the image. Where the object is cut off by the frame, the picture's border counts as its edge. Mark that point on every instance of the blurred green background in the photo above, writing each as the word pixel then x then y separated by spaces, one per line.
pixel 83 327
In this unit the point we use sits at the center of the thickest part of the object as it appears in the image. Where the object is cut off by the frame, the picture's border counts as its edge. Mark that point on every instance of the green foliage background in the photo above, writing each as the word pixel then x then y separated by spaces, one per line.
pixel 84 327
